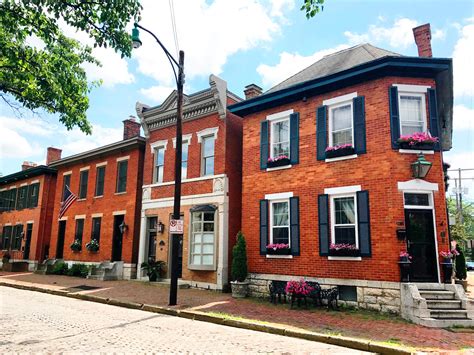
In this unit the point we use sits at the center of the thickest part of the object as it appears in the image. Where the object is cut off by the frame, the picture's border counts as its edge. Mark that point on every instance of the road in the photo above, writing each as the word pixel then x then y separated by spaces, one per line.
pixel 38 322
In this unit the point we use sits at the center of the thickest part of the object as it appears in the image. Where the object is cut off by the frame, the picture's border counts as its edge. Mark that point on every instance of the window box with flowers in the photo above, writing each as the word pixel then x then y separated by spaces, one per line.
pixel 418 141
pixel 339 151
pixel 76 246
pixel 93 246
pixel 344 249
pixel 278 249
pixel 281 160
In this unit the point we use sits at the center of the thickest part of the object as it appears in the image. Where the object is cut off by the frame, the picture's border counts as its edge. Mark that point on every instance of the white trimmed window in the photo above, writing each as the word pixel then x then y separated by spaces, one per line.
pixel 159 155
pixel 344 220
pixel 412 107
pixel 203 237
pixel 341 119
pixel 207 147
pixel 280 138
pixel 279 222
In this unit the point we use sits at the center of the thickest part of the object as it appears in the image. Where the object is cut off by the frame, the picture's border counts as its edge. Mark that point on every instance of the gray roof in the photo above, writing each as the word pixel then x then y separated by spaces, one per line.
pixel 334 63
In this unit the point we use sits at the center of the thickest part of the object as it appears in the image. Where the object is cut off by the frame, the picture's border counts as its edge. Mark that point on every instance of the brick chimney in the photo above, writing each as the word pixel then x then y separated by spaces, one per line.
pixel 131 128
pixel 53 154
pixel 27 165
pixel 252 90
pixel 423 40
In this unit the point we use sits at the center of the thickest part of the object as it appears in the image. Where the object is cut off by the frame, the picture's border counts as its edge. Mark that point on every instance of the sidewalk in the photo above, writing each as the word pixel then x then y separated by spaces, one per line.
pixel 364 325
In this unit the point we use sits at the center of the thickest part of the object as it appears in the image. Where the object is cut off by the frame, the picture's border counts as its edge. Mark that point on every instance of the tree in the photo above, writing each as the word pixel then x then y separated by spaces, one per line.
pixel 461 231
pixel 49 75
pixel 239 259
pixel 312 7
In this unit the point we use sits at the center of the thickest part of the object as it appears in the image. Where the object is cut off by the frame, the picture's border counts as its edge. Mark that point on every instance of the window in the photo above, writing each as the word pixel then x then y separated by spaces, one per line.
pixel 412 113
pixel 12 200
pixel 152 229
pixel 33 191
pixel 99 181
pixel 344 220
pixel 6 237
pixel 280 138
pixel 184 161
pixel 96 221
pixel 122 167
pixel 79 229
pixel 4 196
pixel 66 182
pixel 22 197
pixel 279 222
pixel 17 236
pixel 84 176
pixel 417 199
pixel 208 155
pixel 159 164
pixel 340 124
pixel 202 240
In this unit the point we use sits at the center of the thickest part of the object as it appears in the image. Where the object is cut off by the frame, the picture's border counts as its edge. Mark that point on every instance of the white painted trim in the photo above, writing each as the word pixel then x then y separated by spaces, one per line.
pixel 100 164
pixel 163 143
pixel 207 132
pixel 279 115
pixel 412 88
pixel 271 143
pixel 12 187
pixel 333 217
pixel 279 196
pixel 430 200
pixel 24 184
pixel 417 185
pixel 186 140
pixel 279 256
pixel 413 151
pixel 30 222
pixel 200 178
pixel 215 197
pixel 34 182
pixel 7 225
pixel 67 173
pixel 340 99
pixel 346 157
pixel 94 215
pixel 280 168
pixel 330 119
pixel 5 189
pixel 127 157
pixel 342 190
pixel 85 168
pixel 63 218
pixel 80 216
pixel 119 213
pixel 345 258
pixel 284 200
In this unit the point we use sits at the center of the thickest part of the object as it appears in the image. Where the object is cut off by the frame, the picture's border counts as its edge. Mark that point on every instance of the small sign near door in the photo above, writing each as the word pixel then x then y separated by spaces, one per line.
pixel 176 226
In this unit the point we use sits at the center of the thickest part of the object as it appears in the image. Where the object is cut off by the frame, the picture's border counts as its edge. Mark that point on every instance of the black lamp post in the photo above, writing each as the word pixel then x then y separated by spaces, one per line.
pixel 177 166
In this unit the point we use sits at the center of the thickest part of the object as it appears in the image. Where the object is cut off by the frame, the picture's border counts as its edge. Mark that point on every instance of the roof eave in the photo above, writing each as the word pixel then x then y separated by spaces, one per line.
pixel 26 174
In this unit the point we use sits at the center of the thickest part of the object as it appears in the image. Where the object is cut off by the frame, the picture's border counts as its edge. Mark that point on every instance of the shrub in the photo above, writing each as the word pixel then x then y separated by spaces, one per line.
pixel 461 271
pixel 239 259
pixel 79 270
pixel 60 268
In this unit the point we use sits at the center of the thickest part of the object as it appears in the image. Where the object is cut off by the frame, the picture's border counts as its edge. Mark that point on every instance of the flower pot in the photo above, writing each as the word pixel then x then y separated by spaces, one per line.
pixel 340 152
pixel 417 146
pixel 239 289
pixel 282 251
pixel 463 283
pixel 405 269
pixel 447 271
pixel 344 252
pixel 152 277
pixel 279 162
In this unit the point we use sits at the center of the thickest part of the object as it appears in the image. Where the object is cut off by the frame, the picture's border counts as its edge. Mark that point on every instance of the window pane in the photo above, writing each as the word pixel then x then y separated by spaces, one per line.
pixel 417 199
pixel 160 156
pixel 280 131
pixel 280 213
pixel 342 117
pixel 281 149
pixel 345 235
pixel 410 129
pixel 208 238
pixel 410 108
pixel 281 235
pixel 208 248
pixel 209 227
pixel 207 259
pixel 197 238
pixel 209 216
pixel 197 248
pixel 99 183
pixel 196 259
pixel 342 137
pixel 184 155
pixel 344 210
pixel 208 146
pixel 209 166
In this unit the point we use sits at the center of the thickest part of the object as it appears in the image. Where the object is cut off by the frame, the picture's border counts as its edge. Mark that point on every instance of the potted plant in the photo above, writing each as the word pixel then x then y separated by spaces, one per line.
pixel 343 249
pixel 76 246
pixel 298 290
pixel 447 264
pixel 154 269
pixel 93 246
pixel 281 160
pixel 405 266
pixel 418 140
pixel 460 268
pixel 339 150
pixel 239 268
pixel 6 261
pixel 278 249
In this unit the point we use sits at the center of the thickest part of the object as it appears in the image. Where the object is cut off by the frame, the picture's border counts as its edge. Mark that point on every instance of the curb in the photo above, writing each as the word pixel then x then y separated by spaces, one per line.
pixel 346 342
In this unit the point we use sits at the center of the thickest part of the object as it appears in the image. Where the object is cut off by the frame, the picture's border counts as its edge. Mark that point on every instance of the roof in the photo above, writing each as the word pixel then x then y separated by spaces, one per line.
pixel 26 174
pixel 336 62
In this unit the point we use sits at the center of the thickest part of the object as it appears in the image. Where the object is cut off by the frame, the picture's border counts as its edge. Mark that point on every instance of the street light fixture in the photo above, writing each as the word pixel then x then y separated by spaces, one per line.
pixel 136 43
pixel 420 167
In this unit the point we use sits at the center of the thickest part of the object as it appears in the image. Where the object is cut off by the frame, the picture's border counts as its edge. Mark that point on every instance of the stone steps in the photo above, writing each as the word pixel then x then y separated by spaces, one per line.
pixel 449 314
pixel 443 304
pixel 437 295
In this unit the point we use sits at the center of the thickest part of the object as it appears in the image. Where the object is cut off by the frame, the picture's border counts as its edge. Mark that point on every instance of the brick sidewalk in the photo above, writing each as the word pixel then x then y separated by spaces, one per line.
pixel 358 324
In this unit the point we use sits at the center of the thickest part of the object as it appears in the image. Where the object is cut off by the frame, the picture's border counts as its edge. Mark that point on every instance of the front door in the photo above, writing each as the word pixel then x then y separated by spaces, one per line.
pixel 29 231
pixel 60 244
pixel 117 238
pixel 421 245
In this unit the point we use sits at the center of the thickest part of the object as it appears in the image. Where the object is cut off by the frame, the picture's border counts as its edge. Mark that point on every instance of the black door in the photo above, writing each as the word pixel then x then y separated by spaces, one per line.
pixel 152 224
pixel 60 244
pixel 29 231
pixel 117 239
pixel 421 245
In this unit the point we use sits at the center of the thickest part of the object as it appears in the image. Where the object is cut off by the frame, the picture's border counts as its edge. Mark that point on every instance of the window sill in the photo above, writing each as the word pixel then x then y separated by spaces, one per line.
pixel 120 193
pixel 268 256
pixel 415 151
pixel 202 267
pixel 346 157
pixel 80 199
pixel 279 168
pixel 347 258
pixel 99 196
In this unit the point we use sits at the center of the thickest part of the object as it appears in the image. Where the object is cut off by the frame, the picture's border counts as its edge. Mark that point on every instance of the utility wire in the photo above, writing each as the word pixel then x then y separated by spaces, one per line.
pixel 173 25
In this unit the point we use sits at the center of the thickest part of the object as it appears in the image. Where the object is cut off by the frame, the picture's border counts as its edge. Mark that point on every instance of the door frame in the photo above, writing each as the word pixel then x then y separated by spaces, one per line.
pixel 429 207
pixel 116 229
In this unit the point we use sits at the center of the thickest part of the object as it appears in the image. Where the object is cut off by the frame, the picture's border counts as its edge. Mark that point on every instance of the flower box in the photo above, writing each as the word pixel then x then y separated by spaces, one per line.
pixel 281 251
pixel 335 152
pixel 418 146
pixel 418 141
pixel 344 252
pixel 278 162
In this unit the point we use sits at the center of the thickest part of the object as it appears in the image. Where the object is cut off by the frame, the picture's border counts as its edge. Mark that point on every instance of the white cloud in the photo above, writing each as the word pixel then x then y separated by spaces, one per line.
pixel 157 93
pixel 13 145
pixel 463 59
pixel 35 126
pixel 463 118
pixel 438 34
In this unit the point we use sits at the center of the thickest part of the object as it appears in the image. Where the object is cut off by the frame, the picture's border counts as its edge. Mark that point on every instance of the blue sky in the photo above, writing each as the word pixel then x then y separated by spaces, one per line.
pixel 243 42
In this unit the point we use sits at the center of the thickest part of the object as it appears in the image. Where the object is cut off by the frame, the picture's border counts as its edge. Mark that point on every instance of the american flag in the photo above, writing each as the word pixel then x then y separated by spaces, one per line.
pixel 69 199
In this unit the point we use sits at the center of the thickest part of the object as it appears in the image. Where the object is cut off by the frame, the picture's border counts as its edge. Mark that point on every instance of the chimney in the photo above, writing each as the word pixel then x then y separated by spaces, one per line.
pixel 27 165
pixel 423 40
pixel 53 154
pixel 252 90
pixel 131 128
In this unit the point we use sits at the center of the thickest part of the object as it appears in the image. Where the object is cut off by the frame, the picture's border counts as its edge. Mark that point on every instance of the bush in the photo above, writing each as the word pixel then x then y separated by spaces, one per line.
pixel 239 259
pixel 60 268
pixel 79 270
pixel 461 271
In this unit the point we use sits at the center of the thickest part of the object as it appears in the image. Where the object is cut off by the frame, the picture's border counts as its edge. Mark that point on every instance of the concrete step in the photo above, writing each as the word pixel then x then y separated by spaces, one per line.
pixel 443 304
pixel 448 314
pixel 437 295
pixel 445 323
pixel 430 286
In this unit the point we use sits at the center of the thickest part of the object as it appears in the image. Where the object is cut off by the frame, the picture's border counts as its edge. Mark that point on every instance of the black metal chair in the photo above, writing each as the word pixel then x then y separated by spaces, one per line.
pixel 331 295
pixel 315 294
pixel 277 289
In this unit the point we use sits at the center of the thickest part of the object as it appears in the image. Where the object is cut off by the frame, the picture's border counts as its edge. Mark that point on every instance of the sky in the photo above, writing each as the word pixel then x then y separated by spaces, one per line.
pixel 243 42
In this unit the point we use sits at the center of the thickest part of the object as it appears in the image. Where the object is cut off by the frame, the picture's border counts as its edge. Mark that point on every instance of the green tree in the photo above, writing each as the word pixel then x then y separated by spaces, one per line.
pixel 239 259
pixel 461 231
pixel 312 7
pixel 50 76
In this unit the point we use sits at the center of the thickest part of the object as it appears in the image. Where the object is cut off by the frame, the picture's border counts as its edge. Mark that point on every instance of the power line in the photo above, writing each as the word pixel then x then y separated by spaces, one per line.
pixel 173 25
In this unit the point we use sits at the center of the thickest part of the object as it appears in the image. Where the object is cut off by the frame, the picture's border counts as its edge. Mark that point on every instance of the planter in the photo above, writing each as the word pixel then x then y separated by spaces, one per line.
pixel 284 251
pixel 463 283
pixel 447 271
pixel 420 146
pixel 279 162
pixel 239 289
pixel 340 152
pixel 152 277
pixel 344 252
pixel 405 269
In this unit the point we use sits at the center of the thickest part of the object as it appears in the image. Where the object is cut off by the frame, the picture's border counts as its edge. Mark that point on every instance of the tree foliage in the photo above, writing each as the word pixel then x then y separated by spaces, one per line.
pixel 239 259
pixel 461 271
pixel 41 68
pixel 465 230
pixel 312 7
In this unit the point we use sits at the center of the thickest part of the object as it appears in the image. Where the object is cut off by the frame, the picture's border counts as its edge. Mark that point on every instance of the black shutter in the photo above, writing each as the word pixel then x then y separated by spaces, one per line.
pixel 394 116
pixel 295 225
pixel 29 193
pixel 358 106
pixel 321 132
pixel 263 144
pixel 363 216
pixel 323 220
pixel 434 121
pixel 263 226
pixel 294 137
pixel 34 199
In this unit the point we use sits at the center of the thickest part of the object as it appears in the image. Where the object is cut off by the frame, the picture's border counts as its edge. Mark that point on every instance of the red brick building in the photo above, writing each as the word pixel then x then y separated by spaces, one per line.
pixel 300 191
pixel 107 182
pixel 26 205
pixel 211 183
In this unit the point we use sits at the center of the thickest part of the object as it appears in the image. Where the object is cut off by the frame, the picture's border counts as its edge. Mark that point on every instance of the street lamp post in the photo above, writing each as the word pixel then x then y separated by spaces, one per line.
pixel 177 163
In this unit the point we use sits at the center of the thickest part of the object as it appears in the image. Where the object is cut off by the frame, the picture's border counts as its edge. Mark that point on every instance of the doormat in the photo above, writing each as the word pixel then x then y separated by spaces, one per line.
pixel 81 288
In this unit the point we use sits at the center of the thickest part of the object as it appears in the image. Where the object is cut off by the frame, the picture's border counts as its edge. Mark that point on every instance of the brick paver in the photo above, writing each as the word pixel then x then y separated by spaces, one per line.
pixel 365 325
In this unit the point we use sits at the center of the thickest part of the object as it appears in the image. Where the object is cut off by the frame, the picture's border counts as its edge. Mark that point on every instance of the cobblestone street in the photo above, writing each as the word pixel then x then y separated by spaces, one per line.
pixel 36 322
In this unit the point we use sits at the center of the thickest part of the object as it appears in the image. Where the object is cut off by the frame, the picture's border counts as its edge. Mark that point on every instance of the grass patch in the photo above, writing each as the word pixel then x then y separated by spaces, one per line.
pixel 236 318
